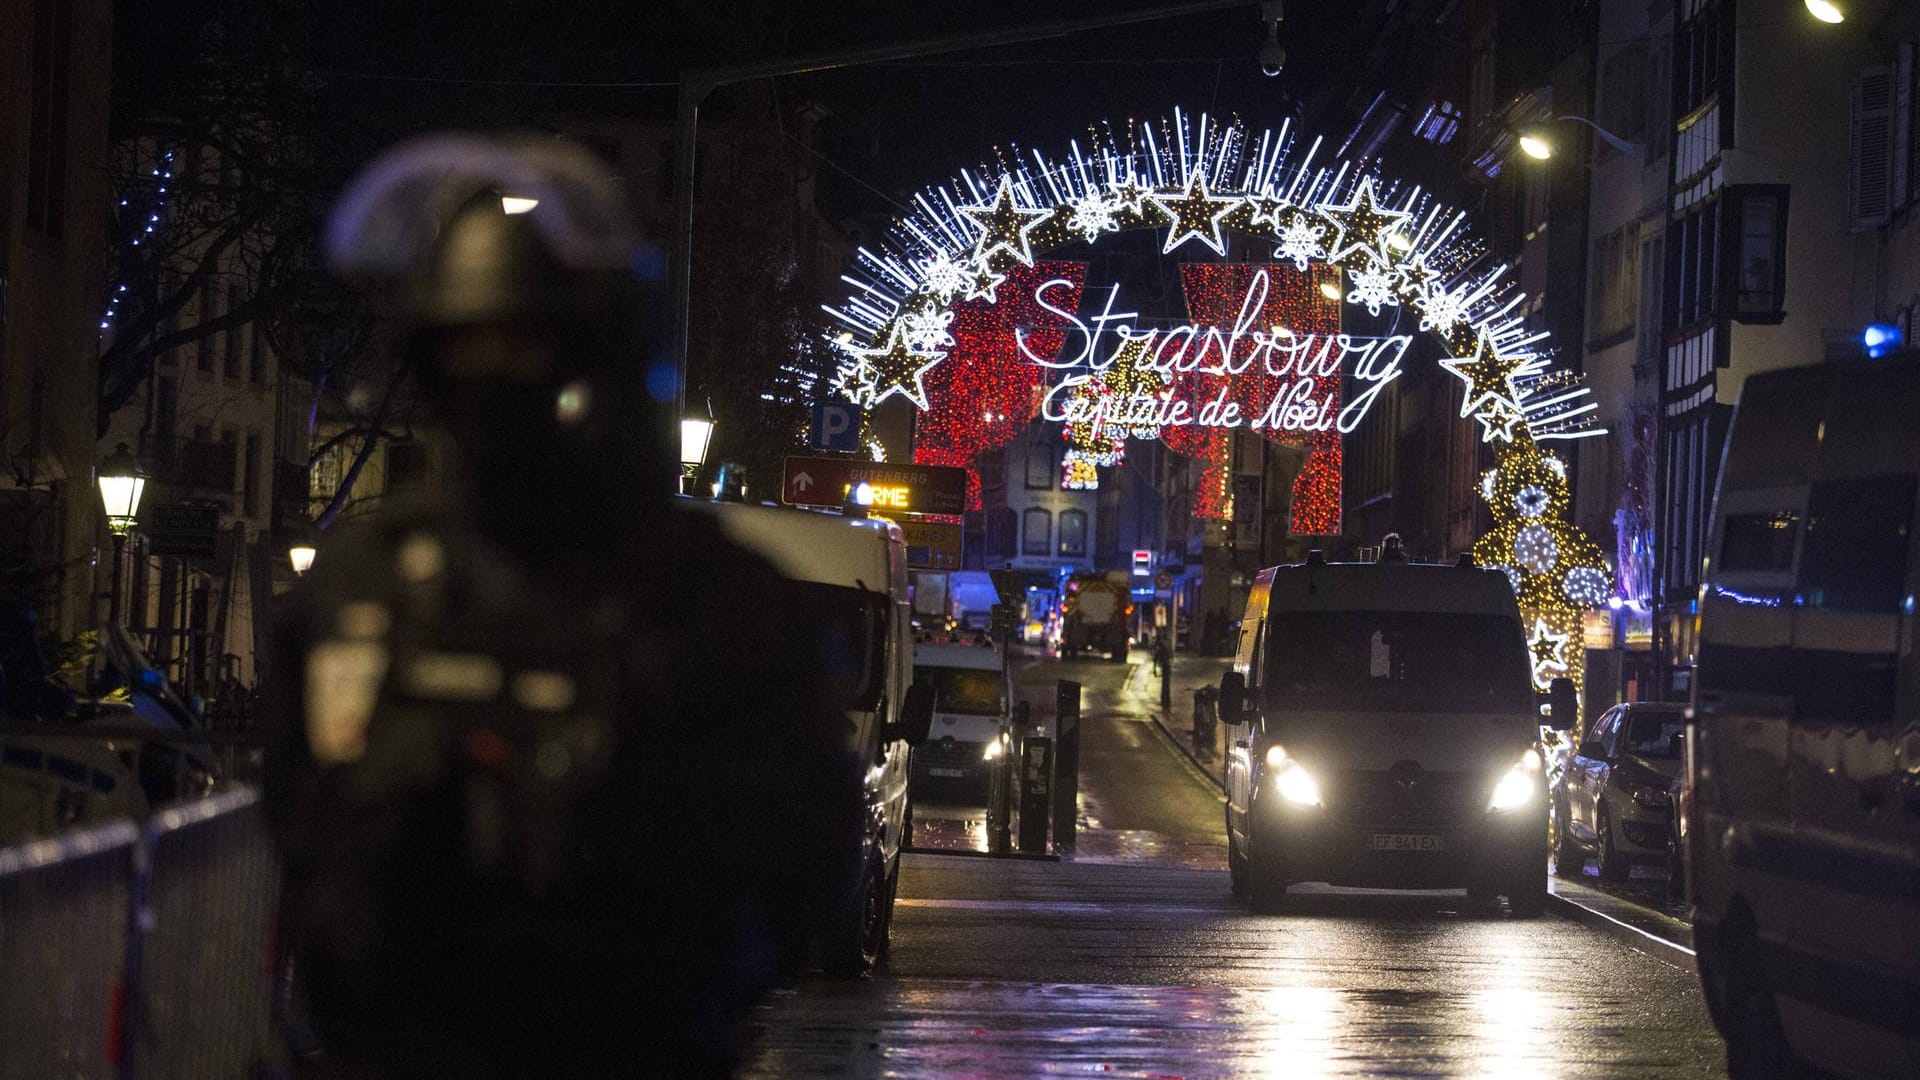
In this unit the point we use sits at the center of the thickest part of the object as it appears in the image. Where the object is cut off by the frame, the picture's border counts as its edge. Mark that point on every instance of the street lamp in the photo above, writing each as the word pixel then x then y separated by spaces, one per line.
pixel 1826 11
pixel 122 481
pixel 696 432
pixel 1537 144
pixel 300 549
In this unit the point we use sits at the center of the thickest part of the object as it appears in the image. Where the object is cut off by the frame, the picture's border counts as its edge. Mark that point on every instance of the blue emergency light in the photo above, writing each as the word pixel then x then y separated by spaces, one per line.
pixel 1880 339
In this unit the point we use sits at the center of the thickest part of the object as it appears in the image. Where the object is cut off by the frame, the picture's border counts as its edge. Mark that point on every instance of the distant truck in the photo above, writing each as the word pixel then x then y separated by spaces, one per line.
pixel 1096 614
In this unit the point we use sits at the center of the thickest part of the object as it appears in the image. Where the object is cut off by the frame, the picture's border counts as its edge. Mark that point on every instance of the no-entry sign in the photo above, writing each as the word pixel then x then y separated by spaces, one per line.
pixel 910 489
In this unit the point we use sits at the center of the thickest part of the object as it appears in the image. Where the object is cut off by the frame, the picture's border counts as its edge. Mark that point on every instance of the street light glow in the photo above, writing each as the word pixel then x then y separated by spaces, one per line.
pixel 1536 147
pixel 517 204
pixel 1329 290
pixel 1826 11
pixel 301 556
pixel 122 481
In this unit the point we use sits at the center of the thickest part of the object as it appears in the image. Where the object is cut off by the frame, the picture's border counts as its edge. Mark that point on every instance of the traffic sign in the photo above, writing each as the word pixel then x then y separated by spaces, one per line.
pixel 1163 581
pixel 931 545
pixel 911 489
pixel 836 426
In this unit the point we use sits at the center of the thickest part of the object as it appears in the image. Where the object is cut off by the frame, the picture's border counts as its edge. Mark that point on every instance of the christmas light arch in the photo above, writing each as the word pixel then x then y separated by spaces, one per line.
pixel 934 306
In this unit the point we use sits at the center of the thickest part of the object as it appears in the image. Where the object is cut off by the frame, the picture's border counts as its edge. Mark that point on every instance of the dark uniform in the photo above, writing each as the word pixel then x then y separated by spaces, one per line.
pixel 559 790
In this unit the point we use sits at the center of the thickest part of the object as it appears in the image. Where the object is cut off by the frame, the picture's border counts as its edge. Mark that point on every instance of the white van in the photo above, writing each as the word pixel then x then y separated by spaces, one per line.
pixel 1803 839
pixel 1387 733
pixel 972 711
pixel 853 571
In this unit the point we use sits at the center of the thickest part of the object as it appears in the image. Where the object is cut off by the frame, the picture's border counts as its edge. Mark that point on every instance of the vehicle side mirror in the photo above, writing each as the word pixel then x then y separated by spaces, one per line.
pixel 916 716
pixel 1592 750
pixel 1563 705
pixel 1233 697
pixel 1022 714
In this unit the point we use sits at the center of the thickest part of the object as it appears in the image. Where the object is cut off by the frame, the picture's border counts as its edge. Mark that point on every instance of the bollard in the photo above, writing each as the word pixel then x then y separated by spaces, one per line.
pixel 1000 801
pixel 1036 773
pixel 1203 720
pixel 1066 782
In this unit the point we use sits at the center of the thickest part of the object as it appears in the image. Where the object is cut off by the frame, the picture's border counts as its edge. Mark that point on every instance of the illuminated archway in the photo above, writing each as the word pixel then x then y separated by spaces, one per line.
pixel 957 312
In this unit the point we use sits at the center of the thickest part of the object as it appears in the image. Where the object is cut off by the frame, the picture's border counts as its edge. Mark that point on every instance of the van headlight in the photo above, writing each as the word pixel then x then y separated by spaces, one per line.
pixel 995 747
pixel 1291 779
pixel 1519 785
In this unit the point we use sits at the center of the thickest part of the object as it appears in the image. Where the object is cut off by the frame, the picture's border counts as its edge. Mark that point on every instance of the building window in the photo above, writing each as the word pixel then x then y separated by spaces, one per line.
pixel 1440 123
pixel 230 450
pixel 256 354
pixel 1696 263
pixel 47 99
pixel 1759 256
pixel 166 406
pixel 1871 156
pixel 1073 534
pixel 1616 286
pixel 230 338
pixel 203 347
pixel 1036 532
pixel 1703 48
pixel 1040 464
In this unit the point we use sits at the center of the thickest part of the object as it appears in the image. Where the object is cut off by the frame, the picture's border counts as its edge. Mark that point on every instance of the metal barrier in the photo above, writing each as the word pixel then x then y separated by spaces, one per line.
pixel 64 907
pixel 180 913
pixel 205 956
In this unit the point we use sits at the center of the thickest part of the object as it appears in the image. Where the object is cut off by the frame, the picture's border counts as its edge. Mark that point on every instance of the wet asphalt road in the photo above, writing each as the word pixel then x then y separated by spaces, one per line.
pixel 1133 960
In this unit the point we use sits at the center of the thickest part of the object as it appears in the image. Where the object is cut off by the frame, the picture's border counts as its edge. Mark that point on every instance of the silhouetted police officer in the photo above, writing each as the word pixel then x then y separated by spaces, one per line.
pixel 559 789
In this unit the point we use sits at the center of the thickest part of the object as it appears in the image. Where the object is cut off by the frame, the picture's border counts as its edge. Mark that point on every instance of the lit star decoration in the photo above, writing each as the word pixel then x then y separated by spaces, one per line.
pixel 1004 226
pixel 1363 224
pixel 1549 651
pixel 1487 373
pixel 968 248
pixel 1372 286
pixel 1196 215
pixel 896 368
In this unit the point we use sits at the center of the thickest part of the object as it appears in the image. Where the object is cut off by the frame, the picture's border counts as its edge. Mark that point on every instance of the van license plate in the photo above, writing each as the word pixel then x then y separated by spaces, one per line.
pixel 1407 842
pixel 947 772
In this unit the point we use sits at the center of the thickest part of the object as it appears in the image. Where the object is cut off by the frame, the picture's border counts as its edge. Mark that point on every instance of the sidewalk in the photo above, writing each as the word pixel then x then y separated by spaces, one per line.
pixel 1190 673
pixel 1639 925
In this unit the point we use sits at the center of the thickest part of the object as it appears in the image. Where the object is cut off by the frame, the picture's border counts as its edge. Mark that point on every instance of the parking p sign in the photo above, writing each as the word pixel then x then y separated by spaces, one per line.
pixel 836 426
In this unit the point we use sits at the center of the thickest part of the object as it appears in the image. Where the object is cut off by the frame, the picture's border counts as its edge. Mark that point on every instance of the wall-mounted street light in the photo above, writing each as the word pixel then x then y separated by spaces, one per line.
pixel 696 434
pixel 1537 142
pixel 122 481
pixel 301 549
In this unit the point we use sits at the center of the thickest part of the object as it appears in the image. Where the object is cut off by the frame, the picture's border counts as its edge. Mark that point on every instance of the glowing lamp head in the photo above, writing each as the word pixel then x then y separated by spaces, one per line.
pixel 1615 602
pixel 696 432
pixel 1826 11
pixel 301 556
pixel 1329 290
pixel 122 482
pixel 517 204
pixel 1536 146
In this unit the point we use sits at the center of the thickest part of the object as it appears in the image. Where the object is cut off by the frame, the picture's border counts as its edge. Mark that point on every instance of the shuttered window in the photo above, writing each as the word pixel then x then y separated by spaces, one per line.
pixel 1870 175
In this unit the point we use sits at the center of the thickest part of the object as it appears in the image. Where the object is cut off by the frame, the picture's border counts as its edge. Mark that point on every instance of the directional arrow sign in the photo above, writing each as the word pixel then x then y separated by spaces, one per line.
pixel 911 489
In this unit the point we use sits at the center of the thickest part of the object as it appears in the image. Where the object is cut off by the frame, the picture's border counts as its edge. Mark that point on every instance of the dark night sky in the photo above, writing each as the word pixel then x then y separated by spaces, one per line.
pixel 892 127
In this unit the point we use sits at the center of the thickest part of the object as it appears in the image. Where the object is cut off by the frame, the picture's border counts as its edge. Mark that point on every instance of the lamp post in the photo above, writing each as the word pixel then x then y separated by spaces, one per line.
pixel 122 481
pixel 696 433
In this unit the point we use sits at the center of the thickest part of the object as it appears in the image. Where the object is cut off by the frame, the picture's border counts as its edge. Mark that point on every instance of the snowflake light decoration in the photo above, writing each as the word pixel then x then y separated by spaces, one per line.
pixel 1372 286
pixel 1442 309
pixel 926 329
pixel 1300 240
pixel 944 278
pixel 1093 214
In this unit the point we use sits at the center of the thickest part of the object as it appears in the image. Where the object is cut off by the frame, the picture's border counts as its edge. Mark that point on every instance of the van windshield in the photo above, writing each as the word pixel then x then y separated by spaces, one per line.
pixel 852 624
pixel 1406 661
pixel 975 691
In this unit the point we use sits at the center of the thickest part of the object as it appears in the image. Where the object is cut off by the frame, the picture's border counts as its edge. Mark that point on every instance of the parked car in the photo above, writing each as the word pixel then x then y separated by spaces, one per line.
pixel 1614 799
pixel 1803 850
